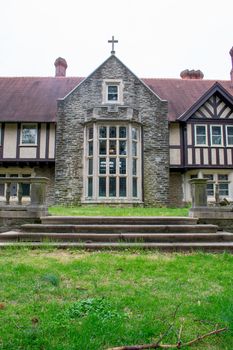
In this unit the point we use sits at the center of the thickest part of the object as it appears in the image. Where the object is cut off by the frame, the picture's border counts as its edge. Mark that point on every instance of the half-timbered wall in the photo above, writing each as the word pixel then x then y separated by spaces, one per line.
pixel 204 147
pixel 12 148
pixel 175 144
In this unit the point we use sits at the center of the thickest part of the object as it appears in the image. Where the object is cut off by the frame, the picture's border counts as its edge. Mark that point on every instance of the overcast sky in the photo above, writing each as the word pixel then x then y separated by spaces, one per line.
pixel 157 38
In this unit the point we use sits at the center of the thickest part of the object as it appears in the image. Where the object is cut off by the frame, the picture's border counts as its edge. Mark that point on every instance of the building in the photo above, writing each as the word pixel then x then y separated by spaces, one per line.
pixel 114 138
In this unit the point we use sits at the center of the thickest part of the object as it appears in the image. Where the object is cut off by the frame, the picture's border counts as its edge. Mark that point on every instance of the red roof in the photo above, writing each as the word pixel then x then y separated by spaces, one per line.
pixel 182 94
pixel 35 99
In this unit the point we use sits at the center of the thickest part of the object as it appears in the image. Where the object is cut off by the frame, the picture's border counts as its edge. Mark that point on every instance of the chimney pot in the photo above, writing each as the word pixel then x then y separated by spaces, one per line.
pixel 60 65
pixel 191 74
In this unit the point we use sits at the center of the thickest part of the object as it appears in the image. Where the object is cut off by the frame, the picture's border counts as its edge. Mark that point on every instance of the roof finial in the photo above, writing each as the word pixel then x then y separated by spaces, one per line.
pixel 113 42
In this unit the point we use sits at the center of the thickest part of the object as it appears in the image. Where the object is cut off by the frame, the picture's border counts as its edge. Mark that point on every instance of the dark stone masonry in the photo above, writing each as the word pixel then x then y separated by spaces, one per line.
pixel 86 104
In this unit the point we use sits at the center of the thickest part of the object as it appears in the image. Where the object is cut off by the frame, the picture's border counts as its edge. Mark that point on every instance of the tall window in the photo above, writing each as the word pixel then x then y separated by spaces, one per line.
pixel 113 162
pixel 29 134
pixel 200 135
pixel 216 135
pixel 229 135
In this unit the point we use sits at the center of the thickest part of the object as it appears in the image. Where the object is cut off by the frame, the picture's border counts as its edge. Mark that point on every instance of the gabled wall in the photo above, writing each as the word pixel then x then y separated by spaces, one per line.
pixel 76 109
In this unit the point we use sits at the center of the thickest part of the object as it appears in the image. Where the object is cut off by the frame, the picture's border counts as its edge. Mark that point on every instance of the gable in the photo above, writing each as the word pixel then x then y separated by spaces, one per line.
pixel 216 107
pixel 216 103
pixel 112 69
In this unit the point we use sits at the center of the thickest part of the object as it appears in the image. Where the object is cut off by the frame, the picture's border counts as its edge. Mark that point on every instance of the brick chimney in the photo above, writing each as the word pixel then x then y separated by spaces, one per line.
pixel 231 54
pixel 61 66
pixel 191 74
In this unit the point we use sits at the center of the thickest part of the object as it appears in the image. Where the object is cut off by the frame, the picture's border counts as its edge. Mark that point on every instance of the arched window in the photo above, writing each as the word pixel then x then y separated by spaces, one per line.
pixel 112 162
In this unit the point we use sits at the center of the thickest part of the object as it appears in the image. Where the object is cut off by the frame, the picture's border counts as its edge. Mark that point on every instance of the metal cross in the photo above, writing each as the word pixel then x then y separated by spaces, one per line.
pixel 113 42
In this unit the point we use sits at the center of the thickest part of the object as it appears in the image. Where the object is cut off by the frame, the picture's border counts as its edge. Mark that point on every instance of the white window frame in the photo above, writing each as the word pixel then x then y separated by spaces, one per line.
pixel 227 143
pixel 112 82
pixel 211 139
pixel 206 136
pixel 34 126
pixel 129 198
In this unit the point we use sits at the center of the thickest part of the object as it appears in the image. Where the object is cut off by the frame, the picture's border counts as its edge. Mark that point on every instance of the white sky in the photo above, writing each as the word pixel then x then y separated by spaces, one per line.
pixel 157 38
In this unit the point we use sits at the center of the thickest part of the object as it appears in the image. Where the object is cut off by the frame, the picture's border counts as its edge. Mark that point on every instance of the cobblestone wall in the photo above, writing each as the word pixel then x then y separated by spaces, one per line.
pixel 72 112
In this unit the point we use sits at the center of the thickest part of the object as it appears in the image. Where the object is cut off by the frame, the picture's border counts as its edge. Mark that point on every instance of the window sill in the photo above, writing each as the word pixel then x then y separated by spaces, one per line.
pixel 28 145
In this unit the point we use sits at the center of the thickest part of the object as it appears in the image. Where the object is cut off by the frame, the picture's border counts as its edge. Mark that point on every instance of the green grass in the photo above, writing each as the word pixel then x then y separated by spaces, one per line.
pixel 75 300
pixel 116 211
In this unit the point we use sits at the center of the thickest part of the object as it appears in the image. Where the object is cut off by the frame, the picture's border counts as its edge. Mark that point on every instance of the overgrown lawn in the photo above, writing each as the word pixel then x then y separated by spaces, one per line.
pixel 69 300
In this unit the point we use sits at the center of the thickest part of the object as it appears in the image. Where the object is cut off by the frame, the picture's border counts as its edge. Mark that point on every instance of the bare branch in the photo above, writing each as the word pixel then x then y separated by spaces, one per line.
pixel 169 346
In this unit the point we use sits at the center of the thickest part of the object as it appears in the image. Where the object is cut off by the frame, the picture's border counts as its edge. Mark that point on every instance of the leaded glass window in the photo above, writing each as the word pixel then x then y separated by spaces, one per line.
pixel 113 162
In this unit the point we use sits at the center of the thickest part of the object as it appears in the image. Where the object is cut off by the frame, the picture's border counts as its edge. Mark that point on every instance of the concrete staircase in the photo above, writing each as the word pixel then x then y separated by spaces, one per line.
pixel 162 233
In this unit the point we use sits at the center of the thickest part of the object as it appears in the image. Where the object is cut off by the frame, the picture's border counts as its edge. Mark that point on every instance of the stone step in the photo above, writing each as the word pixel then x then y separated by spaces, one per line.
pixel 125 237
pixel 120 220
pixel 56 228
pixel 170 247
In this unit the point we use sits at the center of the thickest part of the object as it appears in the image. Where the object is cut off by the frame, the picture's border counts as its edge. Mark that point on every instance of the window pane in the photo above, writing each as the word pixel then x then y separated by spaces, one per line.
pixel 135 190
pixel 134 134
pixel 2 186
pixel 223 189
pixel 122 165
pixel 102 165
pixel 29 133
pixel 122 148
pixel 122 186
pixel 112 187
pixel 112 93
pixel 102 147
pixel 90 166
pixel 210 189
pixel 134 148
pixel 103 132
pixel 208 176
pixel 230 135
pixel 216 135
pixel 112 165
pixel 90 187
pixel 200 135
pixel 201 140
pixel 90 133
pixel 112 132
pixel 222 177
pixel 90 148
pixel 200 130
pixel 13 186
pixel 122 132
pixel 26 187
pixel 134 166
pixel 112 147
pixel 102 187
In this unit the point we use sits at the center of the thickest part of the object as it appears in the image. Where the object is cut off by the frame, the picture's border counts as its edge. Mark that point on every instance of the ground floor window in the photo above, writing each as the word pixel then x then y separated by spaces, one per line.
pixel 14 186
pixel 220 179
pixel 112 162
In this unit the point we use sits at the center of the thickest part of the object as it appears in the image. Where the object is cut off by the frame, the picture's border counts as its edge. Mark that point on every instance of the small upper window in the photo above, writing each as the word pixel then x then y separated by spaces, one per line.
pixel 216 135
pixel 112 92
pixel 29 134
pixel 200 135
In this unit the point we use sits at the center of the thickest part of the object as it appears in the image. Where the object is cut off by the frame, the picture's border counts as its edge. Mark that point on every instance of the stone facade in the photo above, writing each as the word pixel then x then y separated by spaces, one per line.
pixel 48 172
pixel 85 104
